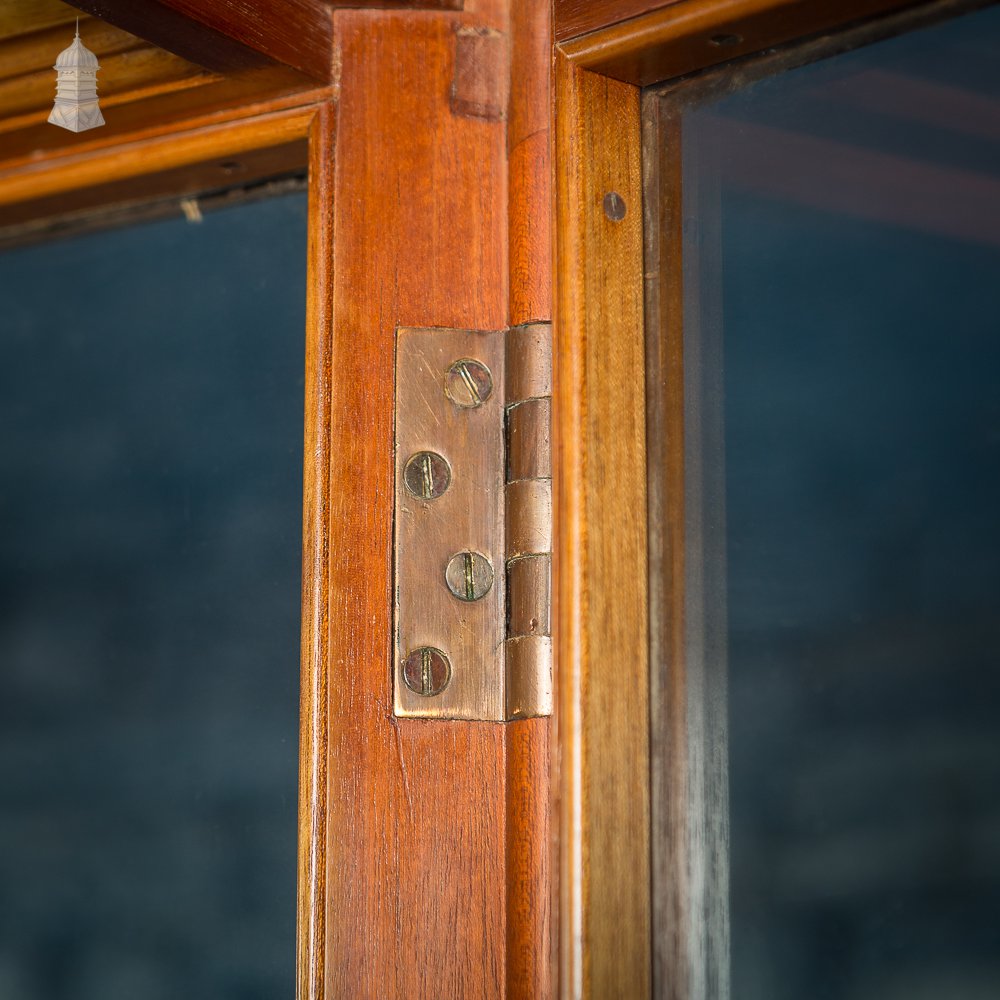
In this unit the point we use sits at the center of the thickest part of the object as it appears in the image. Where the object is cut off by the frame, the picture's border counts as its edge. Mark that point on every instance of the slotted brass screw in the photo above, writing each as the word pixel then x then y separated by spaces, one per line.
pixel 426 475
pixel 469 576
pixel 468 383
pixel 426 671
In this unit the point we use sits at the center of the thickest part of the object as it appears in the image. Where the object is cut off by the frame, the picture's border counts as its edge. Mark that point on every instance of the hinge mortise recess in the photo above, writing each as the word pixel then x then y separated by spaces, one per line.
pixel 473 523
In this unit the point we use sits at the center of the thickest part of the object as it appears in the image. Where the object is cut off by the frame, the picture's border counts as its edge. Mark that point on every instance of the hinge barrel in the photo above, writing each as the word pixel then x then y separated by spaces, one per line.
pixel 528 521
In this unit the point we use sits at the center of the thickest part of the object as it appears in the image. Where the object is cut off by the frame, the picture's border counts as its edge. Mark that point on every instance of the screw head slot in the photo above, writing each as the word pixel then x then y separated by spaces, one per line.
pixel 426 475
pixel 426 671
pixel 469 576
pixel 468 383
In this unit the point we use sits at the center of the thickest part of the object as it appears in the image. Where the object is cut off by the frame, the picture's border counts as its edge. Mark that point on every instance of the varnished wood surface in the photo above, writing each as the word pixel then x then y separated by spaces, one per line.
pixel 37 51
pixel 226 35
pixel 131 69
pixel 316 597
pixel 158 109
pixel 177 133
pixel 26 99
pixel 104 166
pixel 156 193
pixel 144 91
pixel 578 17
pixel 687 35
pixel 530 942
pixel 416 836
pixel 601 607
pixel 21 17
pixel 529 945
pixel 529 149
pixel 424 846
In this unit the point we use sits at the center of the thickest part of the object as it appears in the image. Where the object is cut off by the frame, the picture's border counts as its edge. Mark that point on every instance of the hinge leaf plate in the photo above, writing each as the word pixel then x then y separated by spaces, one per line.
pixel 444 410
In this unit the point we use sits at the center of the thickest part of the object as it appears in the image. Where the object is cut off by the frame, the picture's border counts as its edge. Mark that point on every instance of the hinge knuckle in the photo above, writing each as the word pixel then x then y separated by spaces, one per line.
pixel 529 517
pixel 528 521
pixel 529 455
pixel 529 362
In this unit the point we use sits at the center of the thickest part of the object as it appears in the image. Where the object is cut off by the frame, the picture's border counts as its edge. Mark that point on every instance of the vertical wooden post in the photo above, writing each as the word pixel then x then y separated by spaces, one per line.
pixel 529 888
pixel 416 841
pixel 601 562
pixel 435 832
pixel 313 753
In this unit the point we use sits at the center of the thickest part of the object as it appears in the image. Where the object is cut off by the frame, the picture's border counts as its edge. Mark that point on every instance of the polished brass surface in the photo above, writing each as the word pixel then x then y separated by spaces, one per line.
pixel 467 517
pixel 529 362
pixel 529 452
pixel 469 576
pixel 426 671
pixel 528 600
pixel 529 517
pixel 469 383
pixel 426 475
pixel 473 523
pixel 528 521
pixel 529 676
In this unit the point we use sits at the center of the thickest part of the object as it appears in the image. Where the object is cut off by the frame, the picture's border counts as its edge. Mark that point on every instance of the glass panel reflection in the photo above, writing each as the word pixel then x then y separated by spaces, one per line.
pixel 151 399
pixel 846 216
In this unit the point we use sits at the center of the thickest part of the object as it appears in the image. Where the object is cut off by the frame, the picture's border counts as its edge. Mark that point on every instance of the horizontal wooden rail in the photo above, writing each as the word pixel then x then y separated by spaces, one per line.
pixel 679 38
pixel 162 153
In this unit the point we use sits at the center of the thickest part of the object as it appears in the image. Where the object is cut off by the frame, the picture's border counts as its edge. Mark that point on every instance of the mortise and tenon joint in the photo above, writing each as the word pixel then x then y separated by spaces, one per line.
pixel 473 523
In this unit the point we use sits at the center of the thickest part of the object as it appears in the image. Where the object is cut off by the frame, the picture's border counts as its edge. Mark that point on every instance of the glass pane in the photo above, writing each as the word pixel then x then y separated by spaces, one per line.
pixel 151 404
pixel 842 270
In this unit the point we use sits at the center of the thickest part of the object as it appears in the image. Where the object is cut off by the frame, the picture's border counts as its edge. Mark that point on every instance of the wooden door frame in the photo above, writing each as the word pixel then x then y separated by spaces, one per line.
pixel 424 866
pixel 144 156
pixel 426 840
pixel 423 845
pixel 611 570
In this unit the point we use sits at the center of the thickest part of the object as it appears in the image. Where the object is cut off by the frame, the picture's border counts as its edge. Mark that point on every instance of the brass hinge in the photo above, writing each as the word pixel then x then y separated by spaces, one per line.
pixel 473 523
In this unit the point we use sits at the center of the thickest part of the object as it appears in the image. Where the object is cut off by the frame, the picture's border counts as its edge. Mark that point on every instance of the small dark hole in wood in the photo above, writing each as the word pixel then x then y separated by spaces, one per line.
pixel 724 41
pixel 231 167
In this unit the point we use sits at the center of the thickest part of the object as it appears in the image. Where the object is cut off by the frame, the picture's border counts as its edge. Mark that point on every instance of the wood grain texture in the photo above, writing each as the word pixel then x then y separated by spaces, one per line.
pixel 314 695
pixel 21 17
pixel 121 75
pixel 40 161
pixel 529 151
pixel 416 809
pixel 398 4
pixel 228 35
pixel 601 605
pixel 151 195
pixel 144 90
pixel 480 79
pixel 167 152
pixel 530 940
pixel 224 36
pixel 578 17
pixel 681 37
pixel 530 963
pixel 412 881
pixel 37 51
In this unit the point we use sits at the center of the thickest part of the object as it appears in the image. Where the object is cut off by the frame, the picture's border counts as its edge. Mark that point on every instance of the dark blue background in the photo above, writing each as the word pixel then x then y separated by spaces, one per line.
pixel 150 509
